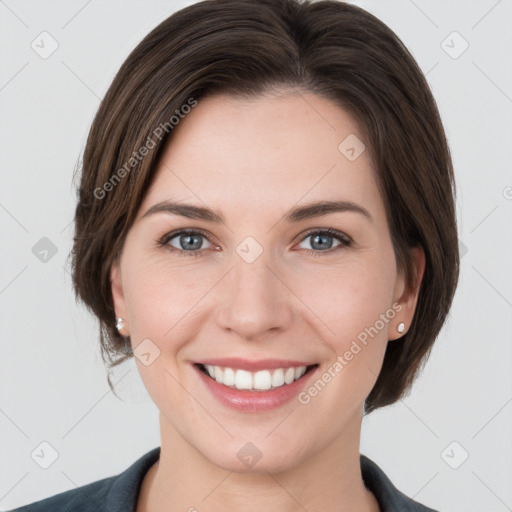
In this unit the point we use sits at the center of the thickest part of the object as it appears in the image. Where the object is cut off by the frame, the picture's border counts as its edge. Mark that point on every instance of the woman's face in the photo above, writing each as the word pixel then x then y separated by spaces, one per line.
pixel 264 287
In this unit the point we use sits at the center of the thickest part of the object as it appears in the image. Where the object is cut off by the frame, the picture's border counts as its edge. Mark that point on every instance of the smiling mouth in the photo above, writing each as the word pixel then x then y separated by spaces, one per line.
pixel 262 380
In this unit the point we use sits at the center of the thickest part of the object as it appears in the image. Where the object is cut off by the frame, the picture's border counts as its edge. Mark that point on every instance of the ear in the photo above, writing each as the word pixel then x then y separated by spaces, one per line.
pixel 119 302
pixel 409 296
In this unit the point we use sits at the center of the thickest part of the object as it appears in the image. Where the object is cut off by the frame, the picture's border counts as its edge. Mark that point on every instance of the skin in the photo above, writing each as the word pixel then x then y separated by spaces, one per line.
pixel 253 161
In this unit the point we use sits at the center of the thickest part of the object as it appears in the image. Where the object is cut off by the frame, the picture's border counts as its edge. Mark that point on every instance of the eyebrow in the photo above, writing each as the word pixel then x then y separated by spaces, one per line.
pixel 296 214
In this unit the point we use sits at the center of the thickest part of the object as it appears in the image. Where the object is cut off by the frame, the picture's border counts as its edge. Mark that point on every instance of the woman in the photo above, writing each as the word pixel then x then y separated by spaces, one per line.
pixel 266 222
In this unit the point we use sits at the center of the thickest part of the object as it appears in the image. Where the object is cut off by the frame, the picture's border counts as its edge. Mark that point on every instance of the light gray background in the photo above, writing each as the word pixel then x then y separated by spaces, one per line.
pixel 52 379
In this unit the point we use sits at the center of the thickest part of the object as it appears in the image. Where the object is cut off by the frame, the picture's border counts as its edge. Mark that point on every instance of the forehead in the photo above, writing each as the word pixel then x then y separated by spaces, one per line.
pixel 268 152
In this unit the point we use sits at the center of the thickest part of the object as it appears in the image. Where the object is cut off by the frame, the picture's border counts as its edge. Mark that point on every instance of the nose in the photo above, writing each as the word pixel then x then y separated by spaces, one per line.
pixel 255 300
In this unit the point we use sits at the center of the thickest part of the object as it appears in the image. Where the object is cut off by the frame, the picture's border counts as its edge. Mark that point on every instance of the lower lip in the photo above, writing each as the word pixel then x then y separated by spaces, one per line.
pixel 255 401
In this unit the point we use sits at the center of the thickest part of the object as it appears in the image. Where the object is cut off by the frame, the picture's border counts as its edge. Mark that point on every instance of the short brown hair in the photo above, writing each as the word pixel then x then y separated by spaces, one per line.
pixel 245 48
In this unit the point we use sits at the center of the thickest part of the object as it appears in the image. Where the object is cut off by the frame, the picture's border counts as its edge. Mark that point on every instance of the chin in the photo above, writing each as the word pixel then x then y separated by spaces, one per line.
pixel 256 457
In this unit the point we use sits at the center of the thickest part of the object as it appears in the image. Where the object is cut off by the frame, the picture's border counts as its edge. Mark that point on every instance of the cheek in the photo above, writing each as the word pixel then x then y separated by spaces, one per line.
pixel 161 294
pixel 351 298
pixel 355 310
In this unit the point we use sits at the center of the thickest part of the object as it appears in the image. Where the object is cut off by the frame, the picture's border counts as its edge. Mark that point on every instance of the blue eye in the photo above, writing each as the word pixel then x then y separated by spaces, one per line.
pixel 189 242
pixel 322 238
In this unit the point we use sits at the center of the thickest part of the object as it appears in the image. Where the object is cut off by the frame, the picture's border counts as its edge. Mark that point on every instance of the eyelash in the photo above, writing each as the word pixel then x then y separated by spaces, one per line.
pixel 344 239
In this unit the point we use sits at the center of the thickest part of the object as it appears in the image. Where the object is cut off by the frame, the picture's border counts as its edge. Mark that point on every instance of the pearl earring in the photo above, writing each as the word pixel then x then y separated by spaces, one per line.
pixel 120 324
pixel 400 327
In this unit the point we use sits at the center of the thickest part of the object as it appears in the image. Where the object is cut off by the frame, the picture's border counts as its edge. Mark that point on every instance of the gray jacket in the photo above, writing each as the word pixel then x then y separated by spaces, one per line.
pixel 120 493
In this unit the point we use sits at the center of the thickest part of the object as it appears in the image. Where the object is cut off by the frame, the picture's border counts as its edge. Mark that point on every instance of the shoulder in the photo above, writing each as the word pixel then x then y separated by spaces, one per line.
pixel 82 499
pixel 112 494
pixel 388 496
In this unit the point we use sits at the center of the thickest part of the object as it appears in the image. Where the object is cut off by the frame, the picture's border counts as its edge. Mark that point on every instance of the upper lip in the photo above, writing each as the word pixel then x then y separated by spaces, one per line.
pixel 253 365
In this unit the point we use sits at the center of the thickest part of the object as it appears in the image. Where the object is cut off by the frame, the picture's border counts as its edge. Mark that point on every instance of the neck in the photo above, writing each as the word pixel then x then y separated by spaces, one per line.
pixel 184 480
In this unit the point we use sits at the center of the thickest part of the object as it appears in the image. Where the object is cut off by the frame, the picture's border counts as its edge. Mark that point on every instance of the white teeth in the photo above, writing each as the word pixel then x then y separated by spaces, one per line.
pixel 278 378
pixel 261 380
pixel 229 377
pixel 289 375
pixel 299 372
pixel 243 379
